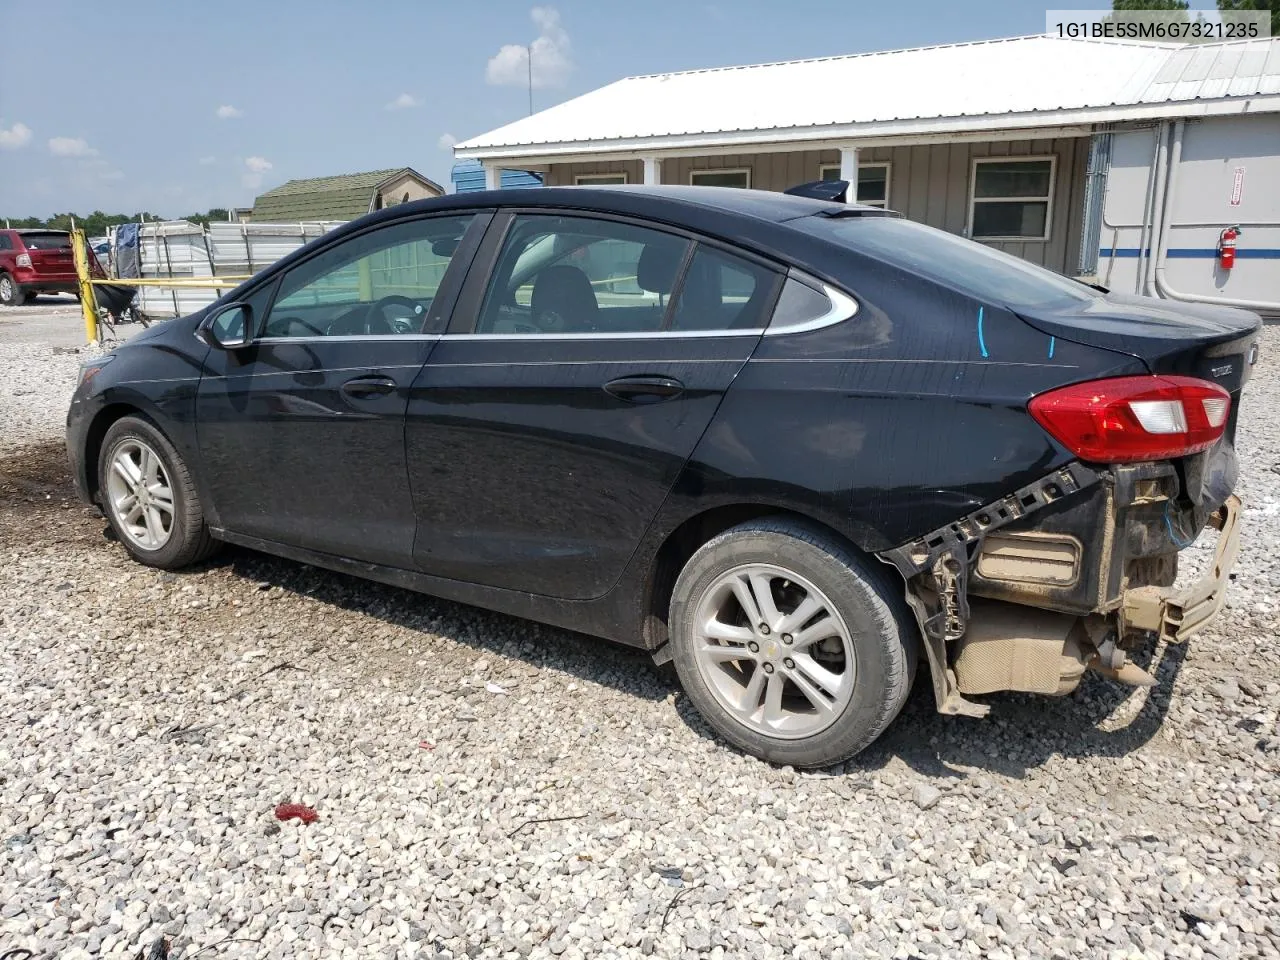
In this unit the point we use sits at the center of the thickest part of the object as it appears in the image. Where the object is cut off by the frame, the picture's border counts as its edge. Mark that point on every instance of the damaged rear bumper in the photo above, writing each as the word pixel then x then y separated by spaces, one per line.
pixel 1175 616
pixel 1010 601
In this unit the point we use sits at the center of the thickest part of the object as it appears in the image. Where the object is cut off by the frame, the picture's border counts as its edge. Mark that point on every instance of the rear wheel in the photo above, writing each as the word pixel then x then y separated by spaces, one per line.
pixel 794 648
pixel 149 497
pixel 11 294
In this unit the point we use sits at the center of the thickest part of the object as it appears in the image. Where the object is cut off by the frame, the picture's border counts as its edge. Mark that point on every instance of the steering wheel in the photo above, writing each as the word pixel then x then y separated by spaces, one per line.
pixel 395 300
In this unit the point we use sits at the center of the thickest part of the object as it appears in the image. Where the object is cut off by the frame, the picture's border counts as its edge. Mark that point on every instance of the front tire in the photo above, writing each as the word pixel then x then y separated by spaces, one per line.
pixel 793 647
pixel 149 498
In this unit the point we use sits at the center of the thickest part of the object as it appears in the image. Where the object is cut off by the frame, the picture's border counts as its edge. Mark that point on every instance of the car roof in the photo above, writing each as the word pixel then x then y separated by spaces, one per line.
pixel 661 202
pixel 751 218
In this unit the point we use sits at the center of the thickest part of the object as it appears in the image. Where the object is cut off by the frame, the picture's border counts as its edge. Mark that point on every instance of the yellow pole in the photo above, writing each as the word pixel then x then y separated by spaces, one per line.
pixel 88 303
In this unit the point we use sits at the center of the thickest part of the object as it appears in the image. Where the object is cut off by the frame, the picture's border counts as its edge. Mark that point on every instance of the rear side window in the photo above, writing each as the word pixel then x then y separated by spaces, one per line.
pixel 5 242
pixel 981 272
pixel 800 306
pixel 723 292
pixel 46 241
pixel 579 275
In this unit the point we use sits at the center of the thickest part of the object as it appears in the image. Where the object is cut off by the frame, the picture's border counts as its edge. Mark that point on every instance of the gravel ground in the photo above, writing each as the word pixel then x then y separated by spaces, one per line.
pixel 489 787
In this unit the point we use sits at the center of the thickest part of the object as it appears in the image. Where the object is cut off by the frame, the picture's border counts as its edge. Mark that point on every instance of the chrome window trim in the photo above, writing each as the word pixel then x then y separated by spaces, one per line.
pixel 843 307
pixel 353 338
pixel 654 335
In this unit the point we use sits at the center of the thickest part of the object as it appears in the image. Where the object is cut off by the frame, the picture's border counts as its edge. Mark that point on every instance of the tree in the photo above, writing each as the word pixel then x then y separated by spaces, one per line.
pixel 95 224
pixel 1150 5
pixel 215 215
pixel 1227 6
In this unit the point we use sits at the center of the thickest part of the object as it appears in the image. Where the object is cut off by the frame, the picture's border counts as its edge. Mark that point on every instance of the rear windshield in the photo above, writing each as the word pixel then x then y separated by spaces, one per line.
pixel 978 270
pixel 46 241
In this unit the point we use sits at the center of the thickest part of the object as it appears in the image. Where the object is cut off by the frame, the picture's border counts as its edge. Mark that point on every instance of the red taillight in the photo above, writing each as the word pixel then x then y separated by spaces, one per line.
pixel 1126 419
pixel 23 260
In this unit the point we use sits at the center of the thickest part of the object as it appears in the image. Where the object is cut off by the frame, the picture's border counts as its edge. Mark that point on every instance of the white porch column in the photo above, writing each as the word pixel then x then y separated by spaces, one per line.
pixel 849 172
pixel 492 176
pixel 652 170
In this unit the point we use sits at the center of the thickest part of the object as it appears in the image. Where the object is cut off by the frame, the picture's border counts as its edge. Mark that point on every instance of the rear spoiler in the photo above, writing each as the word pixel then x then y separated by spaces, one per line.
pixel 834 190
pixel 837 191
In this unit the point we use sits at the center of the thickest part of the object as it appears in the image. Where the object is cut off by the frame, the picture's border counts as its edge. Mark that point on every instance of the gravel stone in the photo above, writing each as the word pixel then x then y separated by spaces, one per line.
pixel 926 795
pixel 147 741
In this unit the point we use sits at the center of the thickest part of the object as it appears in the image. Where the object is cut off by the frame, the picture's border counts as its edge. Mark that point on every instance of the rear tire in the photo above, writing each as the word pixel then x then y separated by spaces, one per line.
pixel 149 498
pixel 11 294
pixel 827 665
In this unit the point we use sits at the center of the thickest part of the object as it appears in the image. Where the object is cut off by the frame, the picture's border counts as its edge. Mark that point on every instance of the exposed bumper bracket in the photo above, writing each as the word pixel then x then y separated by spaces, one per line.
pixel 1176 615
pixel 936 572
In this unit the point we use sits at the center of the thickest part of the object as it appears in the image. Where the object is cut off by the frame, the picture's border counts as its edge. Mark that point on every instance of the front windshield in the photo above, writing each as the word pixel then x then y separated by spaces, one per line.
pixel 978 270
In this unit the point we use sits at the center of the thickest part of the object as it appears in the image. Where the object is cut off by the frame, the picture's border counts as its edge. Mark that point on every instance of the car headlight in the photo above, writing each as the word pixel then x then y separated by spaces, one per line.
pixel 90 368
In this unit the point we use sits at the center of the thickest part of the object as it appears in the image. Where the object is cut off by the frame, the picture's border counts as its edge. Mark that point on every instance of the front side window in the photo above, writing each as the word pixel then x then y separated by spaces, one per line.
pixel 721 178
pixel 873 183
pixel 579 275
pixel 380 283
pixel 1010 198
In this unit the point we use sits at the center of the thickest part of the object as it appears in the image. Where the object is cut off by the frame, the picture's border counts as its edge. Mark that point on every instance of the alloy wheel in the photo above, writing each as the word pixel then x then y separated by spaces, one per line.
pixel 6 289
pixel 774 651
pixel 139 495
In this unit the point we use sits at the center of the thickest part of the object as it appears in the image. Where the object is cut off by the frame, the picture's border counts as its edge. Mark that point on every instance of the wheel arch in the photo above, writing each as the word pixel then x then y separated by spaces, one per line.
pixel 97 432
pixel 685 539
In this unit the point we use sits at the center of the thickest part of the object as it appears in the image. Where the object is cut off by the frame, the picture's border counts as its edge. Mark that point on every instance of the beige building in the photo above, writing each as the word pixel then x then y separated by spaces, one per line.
pixel 1004 141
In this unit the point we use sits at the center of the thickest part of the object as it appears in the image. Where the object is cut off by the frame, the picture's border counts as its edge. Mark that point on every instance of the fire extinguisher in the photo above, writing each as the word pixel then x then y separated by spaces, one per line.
pixel 1227 247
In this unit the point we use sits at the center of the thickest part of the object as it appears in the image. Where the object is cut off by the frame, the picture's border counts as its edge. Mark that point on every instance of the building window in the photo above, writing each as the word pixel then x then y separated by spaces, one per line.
pixel 873 182
pixel 1010 198
pixel 598 179
pixel 721 178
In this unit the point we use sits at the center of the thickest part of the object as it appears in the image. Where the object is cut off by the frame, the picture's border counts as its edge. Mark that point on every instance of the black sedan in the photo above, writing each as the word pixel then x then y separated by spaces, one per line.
pixel 793 446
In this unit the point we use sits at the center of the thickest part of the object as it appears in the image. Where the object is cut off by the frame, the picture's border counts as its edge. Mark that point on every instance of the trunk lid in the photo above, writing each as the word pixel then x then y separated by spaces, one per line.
pixel 1214 343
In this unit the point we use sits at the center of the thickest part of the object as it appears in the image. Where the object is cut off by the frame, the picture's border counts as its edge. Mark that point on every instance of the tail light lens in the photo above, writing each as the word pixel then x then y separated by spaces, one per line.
pixel 1128 419
pixel 23 260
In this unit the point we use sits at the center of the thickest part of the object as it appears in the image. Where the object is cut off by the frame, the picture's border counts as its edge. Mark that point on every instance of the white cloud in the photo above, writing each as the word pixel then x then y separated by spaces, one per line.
pixel 101 169
pixel 228 112
pixel 404 102
pixel 15 137
pixel 71 147
pixel 552 64
pixel 446 141
pixel 207 161
pixel 256 166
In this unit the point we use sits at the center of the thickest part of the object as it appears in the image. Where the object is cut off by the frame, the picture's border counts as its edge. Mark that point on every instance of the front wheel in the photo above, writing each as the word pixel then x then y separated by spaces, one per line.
pixel 149 498
pixel 793 647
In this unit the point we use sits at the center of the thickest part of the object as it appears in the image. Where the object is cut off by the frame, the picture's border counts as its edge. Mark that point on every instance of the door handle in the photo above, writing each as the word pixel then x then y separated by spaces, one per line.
pixel 362 387
pixel 644 389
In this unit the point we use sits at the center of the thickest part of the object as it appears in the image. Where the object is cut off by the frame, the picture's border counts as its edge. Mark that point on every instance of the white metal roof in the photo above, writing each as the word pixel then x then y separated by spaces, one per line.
pixel 984 85
pixel 1242 69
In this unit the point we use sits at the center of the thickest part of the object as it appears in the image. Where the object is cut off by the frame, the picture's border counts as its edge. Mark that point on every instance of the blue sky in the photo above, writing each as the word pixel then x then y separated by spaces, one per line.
pixel 176 107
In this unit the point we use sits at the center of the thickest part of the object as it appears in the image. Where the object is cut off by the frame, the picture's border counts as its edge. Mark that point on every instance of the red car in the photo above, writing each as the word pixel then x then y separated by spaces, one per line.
pixel 34 262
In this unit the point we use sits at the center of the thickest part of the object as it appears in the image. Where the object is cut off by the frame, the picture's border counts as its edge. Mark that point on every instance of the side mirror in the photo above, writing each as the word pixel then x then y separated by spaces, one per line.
pixel 229 327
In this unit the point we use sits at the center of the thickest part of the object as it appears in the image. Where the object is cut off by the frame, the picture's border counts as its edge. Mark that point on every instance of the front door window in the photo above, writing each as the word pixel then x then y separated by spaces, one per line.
pixel 380 283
